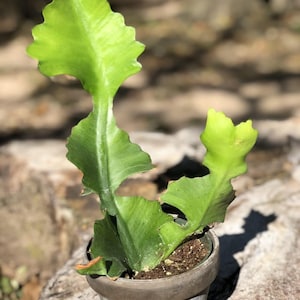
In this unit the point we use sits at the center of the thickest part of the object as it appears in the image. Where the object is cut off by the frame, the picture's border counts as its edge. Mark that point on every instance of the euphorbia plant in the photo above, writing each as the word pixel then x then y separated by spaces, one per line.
pixel 85 39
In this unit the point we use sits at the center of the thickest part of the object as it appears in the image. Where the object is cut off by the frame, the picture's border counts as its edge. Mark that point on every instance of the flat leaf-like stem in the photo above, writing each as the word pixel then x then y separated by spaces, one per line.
pixel 85 39
pixel 204 200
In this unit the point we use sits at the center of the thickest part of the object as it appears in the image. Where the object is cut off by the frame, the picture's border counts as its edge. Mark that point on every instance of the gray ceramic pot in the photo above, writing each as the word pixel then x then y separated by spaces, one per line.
pixel 193 284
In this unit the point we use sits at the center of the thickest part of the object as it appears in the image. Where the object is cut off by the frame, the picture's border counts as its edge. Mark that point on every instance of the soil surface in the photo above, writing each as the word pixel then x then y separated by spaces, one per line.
pixel 184 258
pixel 239 57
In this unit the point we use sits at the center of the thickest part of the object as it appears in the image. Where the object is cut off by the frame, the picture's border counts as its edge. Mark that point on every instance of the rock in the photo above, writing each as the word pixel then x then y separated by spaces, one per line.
pixel 278 132
pixel 13 55
pixel 9 17
pixel 39 187
pixel 125 3
pixel 167 150
pixel 259 243
pixel 267 52
pixel 174 74
pixel 71 285
pixel 272 105
pixel 26 106
pixel 38 231
pixel 257 90
pixel 195 103
pixel 281 6
pixel 28 82
pixel 32 289
pixel 164 108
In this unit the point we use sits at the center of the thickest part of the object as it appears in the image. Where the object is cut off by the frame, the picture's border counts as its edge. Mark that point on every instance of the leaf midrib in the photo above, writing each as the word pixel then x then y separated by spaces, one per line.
pixel 101 107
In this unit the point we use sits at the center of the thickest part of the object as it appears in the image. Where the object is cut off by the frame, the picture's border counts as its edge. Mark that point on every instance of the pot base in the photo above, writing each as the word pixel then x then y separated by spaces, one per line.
pixel 193 284
pixel 202 296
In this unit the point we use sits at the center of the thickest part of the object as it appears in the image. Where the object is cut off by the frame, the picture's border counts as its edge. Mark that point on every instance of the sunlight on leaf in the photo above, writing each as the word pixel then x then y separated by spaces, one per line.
pixel 85 39
pixel 204 200
pixel 103 54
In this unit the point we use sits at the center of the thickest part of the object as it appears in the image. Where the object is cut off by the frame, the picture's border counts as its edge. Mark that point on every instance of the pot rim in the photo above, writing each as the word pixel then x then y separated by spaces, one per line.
pixel 203 264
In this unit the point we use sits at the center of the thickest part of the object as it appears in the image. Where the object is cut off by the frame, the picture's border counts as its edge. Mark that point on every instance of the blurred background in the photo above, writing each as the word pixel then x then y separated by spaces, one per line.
pixel 241 57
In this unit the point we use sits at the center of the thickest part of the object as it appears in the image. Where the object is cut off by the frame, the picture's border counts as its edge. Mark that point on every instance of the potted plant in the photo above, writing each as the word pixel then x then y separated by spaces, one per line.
pixel 85 39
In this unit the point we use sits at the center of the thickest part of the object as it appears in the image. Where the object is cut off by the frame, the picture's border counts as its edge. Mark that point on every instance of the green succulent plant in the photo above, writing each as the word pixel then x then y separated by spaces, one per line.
pixel 85 39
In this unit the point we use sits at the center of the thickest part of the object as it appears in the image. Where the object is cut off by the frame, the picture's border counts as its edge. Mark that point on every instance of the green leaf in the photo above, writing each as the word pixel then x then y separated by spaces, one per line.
pixel 227 145
pixel 134 241
pixel 204 200
pixel 139 222
pixel 106 243
pixel 84 38
pixel 96 266
pixel 104 160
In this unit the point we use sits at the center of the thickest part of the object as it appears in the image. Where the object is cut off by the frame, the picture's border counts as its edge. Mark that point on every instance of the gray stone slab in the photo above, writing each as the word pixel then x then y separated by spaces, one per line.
pixel 259 249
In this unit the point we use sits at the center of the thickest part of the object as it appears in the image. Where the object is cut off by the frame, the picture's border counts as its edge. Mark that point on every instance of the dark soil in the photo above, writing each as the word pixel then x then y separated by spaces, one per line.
pixel 184 258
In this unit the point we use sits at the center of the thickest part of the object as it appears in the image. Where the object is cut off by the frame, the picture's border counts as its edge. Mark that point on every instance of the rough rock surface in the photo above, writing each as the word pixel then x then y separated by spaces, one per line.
pixel 259 258
pixel 40 193
pixel 259 242
pixel 35 224
pixel 40 185
pixel 241 57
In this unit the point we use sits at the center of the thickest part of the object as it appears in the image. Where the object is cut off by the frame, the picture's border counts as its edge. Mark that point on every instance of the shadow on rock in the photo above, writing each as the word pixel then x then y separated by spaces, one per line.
pixel 187 167
pixel 229 271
